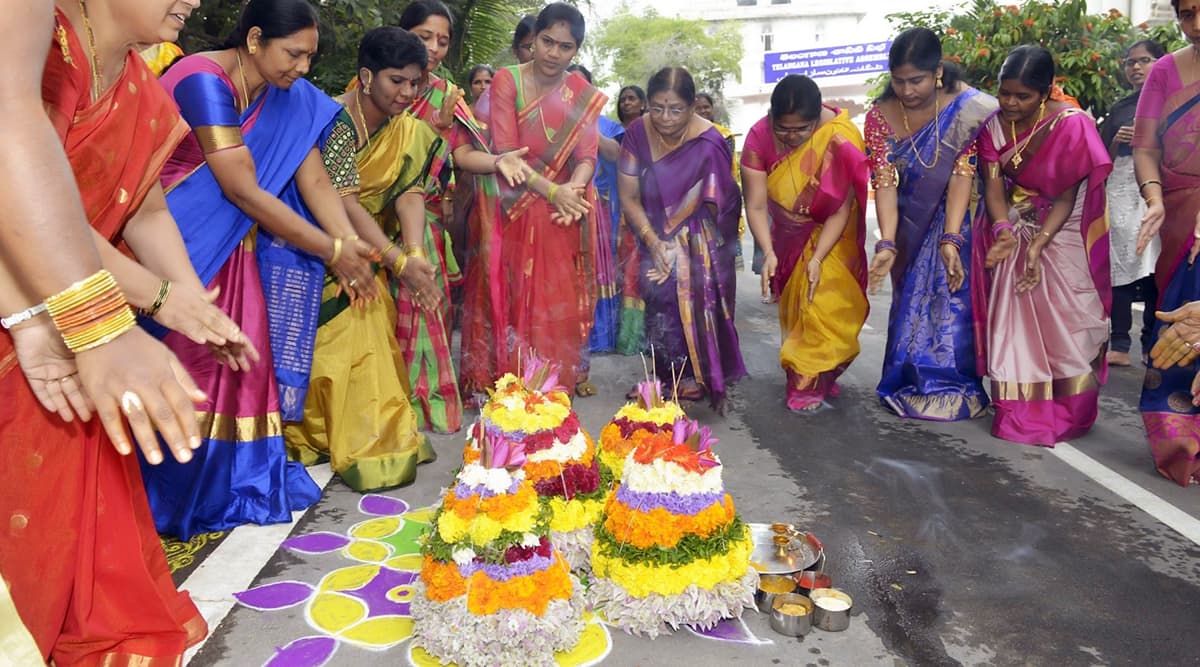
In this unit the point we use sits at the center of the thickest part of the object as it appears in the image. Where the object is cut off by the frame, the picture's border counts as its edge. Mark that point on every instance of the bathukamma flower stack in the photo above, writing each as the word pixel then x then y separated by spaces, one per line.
pixel 671 549
pixel 493 589
pixel 560 457
pixel 648 414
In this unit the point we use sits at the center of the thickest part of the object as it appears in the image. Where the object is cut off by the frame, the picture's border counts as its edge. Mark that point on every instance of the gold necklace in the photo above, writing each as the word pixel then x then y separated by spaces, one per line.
pixel 242 75
pixel 937 133
pixel 665 147
pixel 1016 158
pixel 362 117
pixel 97 78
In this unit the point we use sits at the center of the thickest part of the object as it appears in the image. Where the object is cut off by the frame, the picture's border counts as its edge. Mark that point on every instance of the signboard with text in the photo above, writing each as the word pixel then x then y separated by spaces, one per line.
pixel 826 62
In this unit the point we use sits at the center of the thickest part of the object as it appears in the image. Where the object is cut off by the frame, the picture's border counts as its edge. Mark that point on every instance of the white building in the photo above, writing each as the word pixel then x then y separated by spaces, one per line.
pixel 772 26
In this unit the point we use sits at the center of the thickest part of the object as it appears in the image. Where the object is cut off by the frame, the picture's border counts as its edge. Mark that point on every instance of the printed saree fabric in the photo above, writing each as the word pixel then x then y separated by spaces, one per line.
pixel 1168 115
pixel 805 186
pixel 241 474
pixel 80 554
pixel 425 337
pixel 358 413
pixel 547 283
pixel 929 363
pixel 692 203
pixel 1045 347
pixel 606 319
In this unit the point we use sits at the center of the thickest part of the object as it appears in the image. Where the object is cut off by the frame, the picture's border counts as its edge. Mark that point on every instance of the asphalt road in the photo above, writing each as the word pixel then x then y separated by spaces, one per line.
pixel 958 548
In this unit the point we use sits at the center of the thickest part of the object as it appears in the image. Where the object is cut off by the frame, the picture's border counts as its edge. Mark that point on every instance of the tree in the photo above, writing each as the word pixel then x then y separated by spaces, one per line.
pixel 639 46
pixel 1087 48
pixel 483 32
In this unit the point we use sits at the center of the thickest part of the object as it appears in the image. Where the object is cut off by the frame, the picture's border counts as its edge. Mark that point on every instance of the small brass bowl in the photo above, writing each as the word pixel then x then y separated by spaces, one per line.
pixel 784 618
pixel 771 586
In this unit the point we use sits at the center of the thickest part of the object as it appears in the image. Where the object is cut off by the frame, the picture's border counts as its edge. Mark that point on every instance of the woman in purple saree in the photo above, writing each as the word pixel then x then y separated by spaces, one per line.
pixel 1047 306
pixel 679 196
pixel 1167 160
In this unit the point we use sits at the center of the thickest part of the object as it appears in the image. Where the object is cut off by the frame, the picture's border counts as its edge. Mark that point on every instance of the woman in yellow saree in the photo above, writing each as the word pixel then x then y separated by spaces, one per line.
pixel 805 176
pixel 358 411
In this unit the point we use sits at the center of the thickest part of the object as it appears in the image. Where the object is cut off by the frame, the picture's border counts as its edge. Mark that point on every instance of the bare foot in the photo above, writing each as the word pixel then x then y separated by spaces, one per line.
pixel 1119 358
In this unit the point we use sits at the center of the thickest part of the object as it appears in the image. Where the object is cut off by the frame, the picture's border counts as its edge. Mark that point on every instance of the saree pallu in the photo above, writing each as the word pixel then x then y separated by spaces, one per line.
pixel 929 362
pixel 693 204
pixel 425 337
pixel 548 269
pixel 242 473
pixel 1046 347
pixel 484 339
pixel 79 551
pixel 1172 421
pixel 606 317
pixel 820 338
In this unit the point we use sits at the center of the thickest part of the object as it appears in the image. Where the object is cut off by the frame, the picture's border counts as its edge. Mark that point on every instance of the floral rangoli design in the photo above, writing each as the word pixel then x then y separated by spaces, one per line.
pixel 367 604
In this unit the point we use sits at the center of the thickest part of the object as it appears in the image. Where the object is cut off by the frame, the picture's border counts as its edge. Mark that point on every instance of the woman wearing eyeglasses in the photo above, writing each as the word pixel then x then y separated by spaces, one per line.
pixel 805 175
pixel 920 138
pixel 678 195
pixel 1133 274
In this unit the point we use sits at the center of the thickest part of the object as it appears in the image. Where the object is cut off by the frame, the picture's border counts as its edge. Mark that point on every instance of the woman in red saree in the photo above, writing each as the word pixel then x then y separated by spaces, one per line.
pixel 86 569
pixel 1168 170
pixel 1047 306
pixel 547 288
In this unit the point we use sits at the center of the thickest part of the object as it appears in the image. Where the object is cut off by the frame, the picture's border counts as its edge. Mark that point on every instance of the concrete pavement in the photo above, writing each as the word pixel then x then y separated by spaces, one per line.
pixel 959 549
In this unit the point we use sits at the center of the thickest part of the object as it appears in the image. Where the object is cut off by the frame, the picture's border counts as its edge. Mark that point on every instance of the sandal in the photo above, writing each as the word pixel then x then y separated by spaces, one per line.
pixel 585 389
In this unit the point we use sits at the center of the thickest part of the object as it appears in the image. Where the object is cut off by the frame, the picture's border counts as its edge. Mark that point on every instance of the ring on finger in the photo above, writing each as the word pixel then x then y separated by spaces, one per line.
pixel 131 402
pixel 353 282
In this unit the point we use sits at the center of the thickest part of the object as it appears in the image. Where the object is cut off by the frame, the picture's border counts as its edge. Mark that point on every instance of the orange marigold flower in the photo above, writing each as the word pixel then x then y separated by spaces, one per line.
pixel 1095 56
pixel 532 593
pixel 951 31
pixel 1028 23
pixel 983 53
pixel 498 508
pixel 442 580
pixel 659 527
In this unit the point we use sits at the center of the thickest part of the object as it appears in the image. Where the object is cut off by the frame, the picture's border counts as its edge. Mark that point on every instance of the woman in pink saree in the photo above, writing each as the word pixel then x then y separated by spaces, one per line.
pixel 1167 160
pixel 1047 305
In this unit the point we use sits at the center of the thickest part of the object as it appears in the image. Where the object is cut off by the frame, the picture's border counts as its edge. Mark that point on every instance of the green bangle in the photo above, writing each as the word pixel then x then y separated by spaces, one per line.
pixel 553 191
pixel 164 289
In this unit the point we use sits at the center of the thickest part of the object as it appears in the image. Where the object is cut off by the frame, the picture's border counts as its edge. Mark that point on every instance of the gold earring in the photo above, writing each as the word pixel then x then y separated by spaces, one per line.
pixel 367 85
pixel 252 49
pixel 1042 107
pixel 938 83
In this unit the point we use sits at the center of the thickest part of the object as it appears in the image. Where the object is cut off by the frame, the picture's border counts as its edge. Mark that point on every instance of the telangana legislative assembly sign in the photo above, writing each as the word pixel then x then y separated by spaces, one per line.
pixel 826 62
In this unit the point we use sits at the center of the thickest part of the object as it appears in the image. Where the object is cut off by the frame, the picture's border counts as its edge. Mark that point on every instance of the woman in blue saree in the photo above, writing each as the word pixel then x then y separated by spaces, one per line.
pixel 924 183
pixel 245 188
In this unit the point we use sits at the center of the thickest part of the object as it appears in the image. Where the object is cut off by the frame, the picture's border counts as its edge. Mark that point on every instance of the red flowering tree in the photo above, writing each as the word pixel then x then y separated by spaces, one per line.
pixel 1087 48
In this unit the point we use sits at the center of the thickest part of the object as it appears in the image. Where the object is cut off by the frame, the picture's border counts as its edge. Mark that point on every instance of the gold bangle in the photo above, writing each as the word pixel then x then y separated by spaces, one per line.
pixel 415 251
pixel 102 332
pixel 1151 199
pixel 80 293
pixel 337 252
pixel 399 264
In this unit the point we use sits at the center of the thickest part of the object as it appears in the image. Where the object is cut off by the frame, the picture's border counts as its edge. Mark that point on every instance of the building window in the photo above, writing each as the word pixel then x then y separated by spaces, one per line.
pixel 781 2
pixel 747 3
pixel 768 39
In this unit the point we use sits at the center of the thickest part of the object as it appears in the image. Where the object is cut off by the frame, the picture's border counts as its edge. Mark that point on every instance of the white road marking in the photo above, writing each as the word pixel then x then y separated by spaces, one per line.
pixel 232 567
pixel 1175 518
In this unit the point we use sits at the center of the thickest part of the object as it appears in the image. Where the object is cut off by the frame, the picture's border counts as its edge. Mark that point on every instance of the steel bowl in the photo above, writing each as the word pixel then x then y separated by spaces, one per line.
pixel 763 598
pixel 792 625
pixel 809 580
pixel 829 616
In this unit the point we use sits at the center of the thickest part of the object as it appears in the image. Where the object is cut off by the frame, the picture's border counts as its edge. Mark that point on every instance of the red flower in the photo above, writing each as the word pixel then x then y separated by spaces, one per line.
pixel 983 53
pixel 951 31
pixel 1028 23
